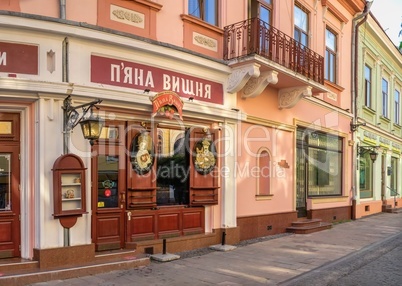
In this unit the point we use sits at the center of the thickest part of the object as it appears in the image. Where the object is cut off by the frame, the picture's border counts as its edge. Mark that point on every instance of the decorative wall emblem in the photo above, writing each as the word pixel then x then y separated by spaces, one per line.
pixel 205 42
pixel 204 156
pixel 127 16
pixel 142 158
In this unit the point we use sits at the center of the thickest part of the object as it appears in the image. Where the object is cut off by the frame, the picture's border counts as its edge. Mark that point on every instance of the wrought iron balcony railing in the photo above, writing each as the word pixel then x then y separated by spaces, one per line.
pixel 254 36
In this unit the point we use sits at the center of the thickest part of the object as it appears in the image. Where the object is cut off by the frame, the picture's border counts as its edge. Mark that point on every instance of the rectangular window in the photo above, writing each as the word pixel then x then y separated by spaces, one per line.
pixel 207 10
pixel 330 56
pixel 5 186
pixel 172 167
pixel 108 171
pixel 397 107
pixel 384 88
pixel 394 176
pixel 367 86
pixel 323 158
pixel 366 176
pixel 301 25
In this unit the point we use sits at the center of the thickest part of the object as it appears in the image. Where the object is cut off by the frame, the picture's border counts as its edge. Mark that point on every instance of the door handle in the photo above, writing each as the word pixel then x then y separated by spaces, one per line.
pixel 128 215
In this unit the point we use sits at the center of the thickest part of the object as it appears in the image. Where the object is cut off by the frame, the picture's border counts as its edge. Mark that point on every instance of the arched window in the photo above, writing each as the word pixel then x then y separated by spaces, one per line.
pixel 264 168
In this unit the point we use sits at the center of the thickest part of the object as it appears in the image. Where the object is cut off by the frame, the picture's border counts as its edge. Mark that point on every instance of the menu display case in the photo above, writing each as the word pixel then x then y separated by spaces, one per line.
pixel 69 186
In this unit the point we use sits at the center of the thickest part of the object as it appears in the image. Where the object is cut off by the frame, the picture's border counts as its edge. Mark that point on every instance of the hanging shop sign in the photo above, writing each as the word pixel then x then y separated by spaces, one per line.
pixel 167 104
pixel 134 75
pixel 18 58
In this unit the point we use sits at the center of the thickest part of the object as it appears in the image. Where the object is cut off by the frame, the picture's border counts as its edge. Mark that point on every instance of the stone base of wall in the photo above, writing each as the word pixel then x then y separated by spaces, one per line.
pixel 264 225
pixel 190 242
pixel 331 214
pixel 368 208
pixel 64 256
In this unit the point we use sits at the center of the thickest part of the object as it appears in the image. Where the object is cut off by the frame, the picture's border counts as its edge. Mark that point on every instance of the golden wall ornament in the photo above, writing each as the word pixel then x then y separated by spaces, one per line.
pixel 204 156
pixel 142 153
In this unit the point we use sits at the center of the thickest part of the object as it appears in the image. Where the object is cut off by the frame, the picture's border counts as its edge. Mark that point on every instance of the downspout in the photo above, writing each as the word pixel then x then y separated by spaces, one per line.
pixel 62 9
pixel 356 23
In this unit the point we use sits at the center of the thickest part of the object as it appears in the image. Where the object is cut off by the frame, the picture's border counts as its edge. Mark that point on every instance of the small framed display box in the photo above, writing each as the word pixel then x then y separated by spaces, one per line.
pixel 69 186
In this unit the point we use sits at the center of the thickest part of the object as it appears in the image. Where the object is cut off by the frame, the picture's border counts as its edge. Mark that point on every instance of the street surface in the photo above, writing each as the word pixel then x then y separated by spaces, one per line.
pixel 367 251
pixel 377 264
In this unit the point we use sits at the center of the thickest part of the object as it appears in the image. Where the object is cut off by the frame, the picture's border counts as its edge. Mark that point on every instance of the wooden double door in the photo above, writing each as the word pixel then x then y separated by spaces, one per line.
pixel 10 242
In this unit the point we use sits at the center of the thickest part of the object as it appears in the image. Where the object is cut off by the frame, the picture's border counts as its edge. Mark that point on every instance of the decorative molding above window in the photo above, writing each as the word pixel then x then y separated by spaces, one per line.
pixel 151 4
pixel 331 8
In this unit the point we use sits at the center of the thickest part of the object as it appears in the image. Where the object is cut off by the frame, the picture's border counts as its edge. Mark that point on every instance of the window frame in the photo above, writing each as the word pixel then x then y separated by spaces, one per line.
pixel 257 5
pixel 298 31
pixel 313 141
pixel 368 86
pixel 394 176
pixel 397 107
pixel 201 10
pixel 330 73
pixel 385 98
pixel 366 174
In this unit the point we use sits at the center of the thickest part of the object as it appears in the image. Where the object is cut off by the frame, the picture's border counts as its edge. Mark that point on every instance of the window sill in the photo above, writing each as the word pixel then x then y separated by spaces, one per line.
pixel 369 110
pixel 334 85
pixel 329 199
pixel 385 119
pixel 263 197
pixel 201 23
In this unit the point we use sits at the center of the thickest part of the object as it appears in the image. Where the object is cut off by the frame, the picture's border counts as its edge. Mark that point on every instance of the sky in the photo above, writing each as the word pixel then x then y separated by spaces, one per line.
pixel 389 15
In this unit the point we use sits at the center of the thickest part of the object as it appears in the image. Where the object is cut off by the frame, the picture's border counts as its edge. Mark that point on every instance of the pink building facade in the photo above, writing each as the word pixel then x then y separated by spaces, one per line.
pixel 221 119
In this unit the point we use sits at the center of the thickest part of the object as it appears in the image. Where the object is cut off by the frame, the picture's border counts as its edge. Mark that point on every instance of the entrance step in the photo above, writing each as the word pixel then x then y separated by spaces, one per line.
pixel 18 272
pixel 389 209
pixel 305 226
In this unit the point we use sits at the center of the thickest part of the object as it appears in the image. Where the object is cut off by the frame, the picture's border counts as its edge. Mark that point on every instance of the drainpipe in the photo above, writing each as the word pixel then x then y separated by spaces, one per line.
pixel 62 9
pixel 357 22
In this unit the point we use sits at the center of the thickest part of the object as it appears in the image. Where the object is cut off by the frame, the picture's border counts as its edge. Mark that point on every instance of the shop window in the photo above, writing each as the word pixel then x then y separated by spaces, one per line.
pixel 366 176
pixel 301 25
pixel 206 10
pixel 330 55
pixel 264 179
pixel 162 178
pixel 324 163
pixel 172 168
pixel 367 86
pixel 394 176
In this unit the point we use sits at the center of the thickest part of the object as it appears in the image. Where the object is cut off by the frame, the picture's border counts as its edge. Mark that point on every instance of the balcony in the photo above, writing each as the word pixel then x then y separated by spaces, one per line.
pixel 264 54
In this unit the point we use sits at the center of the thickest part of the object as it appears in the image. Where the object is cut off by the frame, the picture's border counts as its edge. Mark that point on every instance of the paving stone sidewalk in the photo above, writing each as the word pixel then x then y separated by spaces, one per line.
pixel 265 261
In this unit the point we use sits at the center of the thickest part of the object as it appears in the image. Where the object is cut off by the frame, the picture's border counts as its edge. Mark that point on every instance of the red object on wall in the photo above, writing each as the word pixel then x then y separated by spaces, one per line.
pixel 134 75
pixel 18 58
